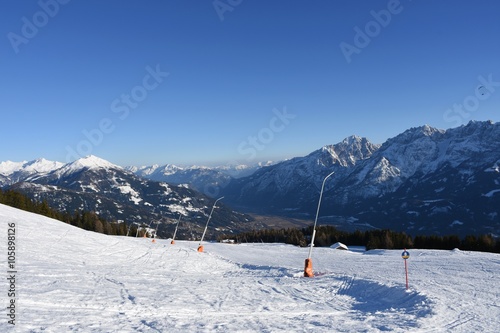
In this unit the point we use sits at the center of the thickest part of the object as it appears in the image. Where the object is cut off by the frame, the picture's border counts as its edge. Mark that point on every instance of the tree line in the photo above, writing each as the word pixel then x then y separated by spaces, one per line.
pixel 371 239
pixel 85 220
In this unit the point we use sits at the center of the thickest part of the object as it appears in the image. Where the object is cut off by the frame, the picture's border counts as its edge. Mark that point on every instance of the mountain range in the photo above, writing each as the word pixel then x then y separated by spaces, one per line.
pixel 208 180
pixel 422 181
pixel 94 184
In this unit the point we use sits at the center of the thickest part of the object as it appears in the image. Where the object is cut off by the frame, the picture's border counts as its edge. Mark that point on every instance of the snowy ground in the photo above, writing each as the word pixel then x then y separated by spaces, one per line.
pixel 70 280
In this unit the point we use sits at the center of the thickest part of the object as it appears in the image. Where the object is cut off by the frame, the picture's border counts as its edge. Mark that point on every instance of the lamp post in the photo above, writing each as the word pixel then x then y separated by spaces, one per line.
pixel 156 230
pixel 308 271
pixel 200 247
pixel 147 230
pixel 175 232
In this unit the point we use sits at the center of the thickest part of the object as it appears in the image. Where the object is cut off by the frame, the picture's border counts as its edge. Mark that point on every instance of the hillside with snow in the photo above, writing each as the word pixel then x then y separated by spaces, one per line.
pixel 70 280
pixel 94 184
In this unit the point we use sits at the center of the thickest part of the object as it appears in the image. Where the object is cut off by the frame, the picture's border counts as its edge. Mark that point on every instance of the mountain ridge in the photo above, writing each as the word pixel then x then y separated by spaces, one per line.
pixel 422 180
pixel 93 184
pixel 420 165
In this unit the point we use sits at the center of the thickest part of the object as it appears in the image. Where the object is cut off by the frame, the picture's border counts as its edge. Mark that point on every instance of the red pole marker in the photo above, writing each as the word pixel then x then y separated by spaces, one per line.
pixel 308 269
pixel 405 255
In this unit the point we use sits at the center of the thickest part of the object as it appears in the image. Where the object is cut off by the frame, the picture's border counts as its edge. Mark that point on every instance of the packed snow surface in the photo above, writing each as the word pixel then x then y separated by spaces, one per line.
pixel 70 280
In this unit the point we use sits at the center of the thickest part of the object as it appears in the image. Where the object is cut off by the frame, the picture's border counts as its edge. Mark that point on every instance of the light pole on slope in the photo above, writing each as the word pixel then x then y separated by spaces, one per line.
pixel 200 247
pixel 156 230
pixel 308 270
pixel 175 232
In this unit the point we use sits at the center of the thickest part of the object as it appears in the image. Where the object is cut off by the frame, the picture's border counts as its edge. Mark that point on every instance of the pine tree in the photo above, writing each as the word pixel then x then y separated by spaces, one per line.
pixel 133 230
pixel 485 243
pixel 99 226
pixel 374 242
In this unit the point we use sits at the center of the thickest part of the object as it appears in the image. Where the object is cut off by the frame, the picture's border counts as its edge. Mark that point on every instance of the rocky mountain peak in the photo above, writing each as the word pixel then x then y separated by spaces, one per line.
pixel 350 150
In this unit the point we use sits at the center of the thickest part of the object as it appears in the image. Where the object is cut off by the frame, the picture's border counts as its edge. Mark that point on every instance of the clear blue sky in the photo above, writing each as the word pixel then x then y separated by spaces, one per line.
pixel 233 66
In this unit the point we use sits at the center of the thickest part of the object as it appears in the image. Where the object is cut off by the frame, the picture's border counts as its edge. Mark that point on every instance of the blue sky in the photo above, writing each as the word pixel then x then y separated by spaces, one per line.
pixel 210 82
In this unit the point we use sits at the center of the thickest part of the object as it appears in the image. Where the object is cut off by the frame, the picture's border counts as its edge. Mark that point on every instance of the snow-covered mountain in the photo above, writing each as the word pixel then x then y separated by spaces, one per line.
pixel 94 184
pixel 423 151
pixel 288 184
pixel 424 180
pixel 202 179
pixel 208 180
pixel 12 172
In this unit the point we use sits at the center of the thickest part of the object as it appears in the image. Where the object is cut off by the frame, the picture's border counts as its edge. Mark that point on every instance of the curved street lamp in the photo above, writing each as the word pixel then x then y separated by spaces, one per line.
pixel 175 232
pixel 200 247
pixel 308 271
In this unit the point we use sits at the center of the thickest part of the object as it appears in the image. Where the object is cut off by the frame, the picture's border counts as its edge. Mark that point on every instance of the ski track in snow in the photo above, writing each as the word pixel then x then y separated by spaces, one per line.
pixel 70 280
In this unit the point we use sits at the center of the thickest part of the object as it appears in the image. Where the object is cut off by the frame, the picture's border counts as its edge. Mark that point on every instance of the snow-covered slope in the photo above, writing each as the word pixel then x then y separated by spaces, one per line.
pixel 70 280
